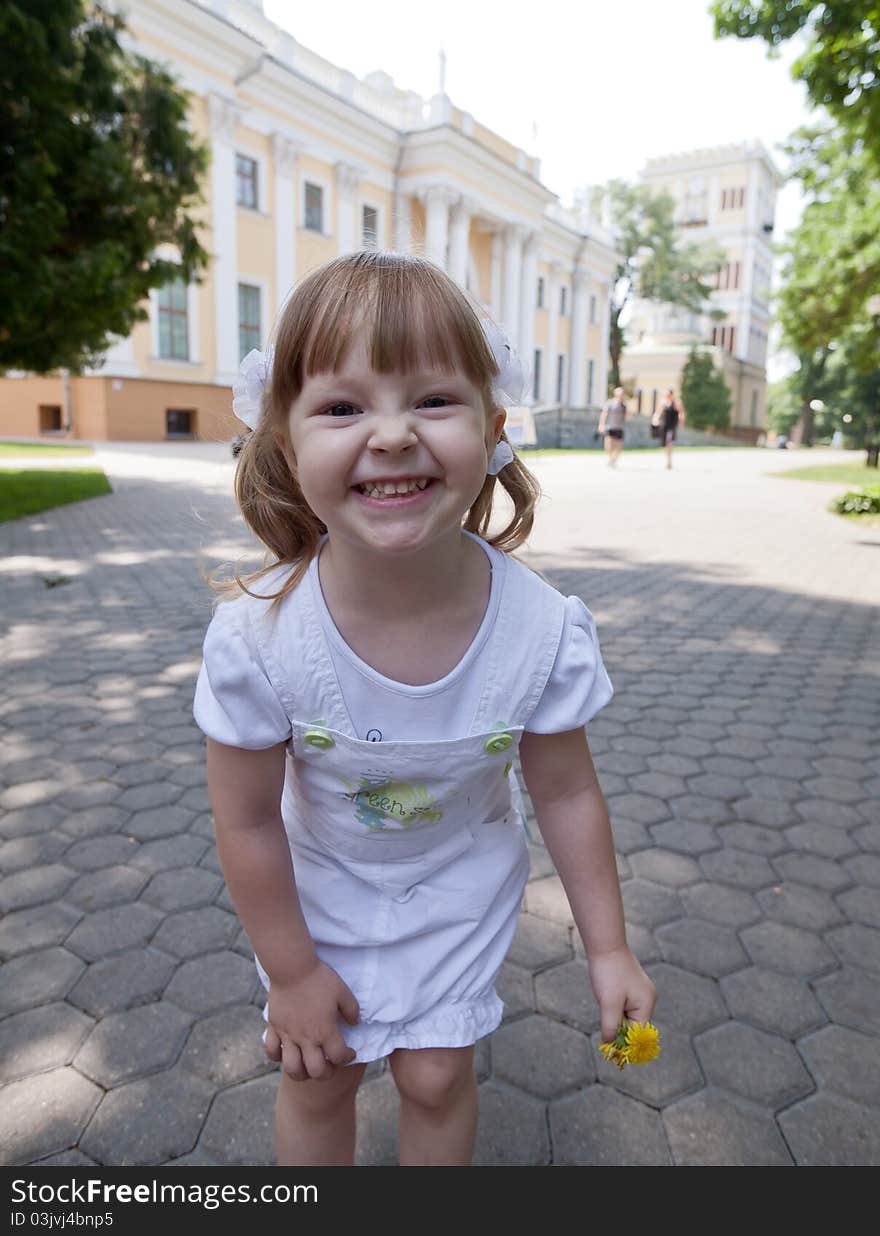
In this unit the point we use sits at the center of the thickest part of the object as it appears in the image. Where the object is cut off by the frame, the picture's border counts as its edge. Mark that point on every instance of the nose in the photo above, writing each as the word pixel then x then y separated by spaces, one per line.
pixel 393 432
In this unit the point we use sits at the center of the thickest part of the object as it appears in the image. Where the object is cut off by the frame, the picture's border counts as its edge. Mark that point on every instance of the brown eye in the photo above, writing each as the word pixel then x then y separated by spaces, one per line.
pixel 340 409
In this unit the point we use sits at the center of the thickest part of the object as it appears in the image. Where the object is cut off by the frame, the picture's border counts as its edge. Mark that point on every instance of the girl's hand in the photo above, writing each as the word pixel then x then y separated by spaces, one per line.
pixel 303 1032
pixel 622 989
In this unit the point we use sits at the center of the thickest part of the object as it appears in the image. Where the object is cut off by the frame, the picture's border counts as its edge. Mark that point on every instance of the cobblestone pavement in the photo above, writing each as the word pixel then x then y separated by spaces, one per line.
pixel 739 622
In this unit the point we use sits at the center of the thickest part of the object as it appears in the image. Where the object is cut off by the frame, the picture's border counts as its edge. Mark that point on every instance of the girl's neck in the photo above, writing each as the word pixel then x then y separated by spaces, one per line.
pixel 388 589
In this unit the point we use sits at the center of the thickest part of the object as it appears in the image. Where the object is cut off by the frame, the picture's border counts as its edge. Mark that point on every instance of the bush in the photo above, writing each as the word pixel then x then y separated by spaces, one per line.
pixel 862 501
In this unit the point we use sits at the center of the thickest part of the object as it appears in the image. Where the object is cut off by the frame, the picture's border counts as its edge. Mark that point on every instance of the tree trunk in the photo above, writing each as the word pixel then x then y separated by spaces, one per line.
pixel 615 347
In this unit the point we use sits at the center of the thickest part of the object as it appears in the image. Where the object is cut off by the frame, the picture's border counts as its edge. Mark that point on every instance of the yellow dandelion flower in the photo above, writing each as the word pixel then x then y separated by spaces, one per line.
pixel 642 1042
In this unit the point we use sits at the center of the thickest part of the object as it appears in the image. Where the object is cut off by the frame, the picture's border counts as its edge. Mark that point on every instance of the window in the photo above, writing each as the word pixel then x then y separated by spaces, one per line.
pixel 536 376
pixel 180 422
pixel 314 208
pixel 245 181
pixel 540 291
pixel 50 418
pixel 591 366
pixel 369 226
pixel 173 324
pixel 733 199
pixel 593 311
pixel 560 377
pixel 563 300
pixel 248 319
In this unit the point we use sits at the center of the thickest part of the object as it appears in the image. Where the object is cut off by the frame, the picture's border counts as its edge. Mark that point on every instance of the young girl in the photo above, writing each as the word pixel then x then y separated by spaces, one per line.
pixel 364 698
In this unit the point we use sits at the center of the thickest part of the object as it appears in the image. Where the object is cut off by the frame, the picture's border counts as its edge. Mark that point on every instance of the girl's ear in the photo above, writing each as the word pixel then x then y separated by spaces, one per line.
pixel 498 421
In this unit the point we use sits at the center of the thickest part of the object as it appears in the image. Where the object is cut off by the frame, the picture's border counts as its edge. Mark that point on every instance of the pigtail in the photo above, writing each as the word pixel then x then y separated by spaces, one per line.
pixel 524 491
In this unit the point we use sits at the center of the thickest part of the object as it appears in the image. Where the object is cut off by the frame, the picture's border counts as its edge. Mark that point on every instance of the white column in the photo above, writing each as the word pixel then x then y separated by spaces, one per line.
pixel 527 302
pixel 601 382
pixel 225 240
pixel 437 224
pixel 514 235
pixel 459 235
pixel 577 367
pixel 347 181
pixel 495 275
pixel 548 394
pixel 285 155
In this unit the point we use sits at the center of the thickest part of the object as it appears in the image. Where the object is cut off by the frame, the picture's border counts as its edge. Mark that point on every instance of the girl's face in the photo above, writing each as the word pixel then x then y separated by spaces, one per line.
pixel 356 434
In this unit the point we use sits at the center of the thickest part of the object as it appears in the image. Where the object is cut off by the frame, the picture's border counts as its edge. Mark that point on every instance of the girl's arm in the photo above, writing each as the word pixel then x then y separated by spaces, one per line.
pixel 573 819
pixel 245 789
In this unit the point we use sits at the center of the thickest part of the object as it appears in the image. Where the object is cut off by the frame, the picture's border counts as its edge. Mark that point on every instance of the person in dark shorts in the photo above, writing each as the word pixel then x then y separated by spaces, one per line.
pixel 611 424
pixel 669 417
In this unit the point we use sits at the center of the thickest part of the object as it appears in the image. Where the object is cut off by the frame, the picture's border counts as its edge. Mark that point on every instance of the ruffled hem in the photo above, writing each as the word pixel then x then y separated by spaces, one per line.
pixel 450 1025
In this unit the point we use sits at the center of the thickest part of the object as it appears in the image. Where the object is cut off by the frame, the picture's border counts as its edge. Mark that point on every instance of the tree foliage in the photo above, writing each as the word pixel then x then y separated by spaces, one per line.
pixel 704 392
pixel 97 170
pixel 841 52
pixel 655 262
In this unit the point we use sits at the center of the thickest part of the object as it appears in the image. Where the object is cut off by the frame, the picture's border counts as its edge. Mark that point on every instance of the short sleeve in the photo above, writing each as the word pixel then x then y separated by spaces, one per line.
pixel 235 702
pixel 578 686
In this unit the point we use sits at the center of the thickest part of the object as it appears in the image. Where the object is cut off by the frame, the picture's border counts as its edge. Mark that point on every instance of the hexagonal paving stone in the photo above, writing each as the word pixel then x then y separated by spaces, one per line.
pixel 662 867
pixel 791 950
pixel 821 839
pixel 827 1131
pixel 861 905
pixel 809 908
pixel 856 945
pixel 779 1003
pixel 547 899
pixel 149 1121
pixel 565 994
pixel 30 821
pixel 512 1129
pixel 685 836
pixel 762 1067
pixel 649 904
pixel 707 948
pixel 37 927
pixel 34 886
pixel 628 835
pixel 702 808
pixel 170 852
pixel 539 943
pixel 864 869
pixel 514 987
pixel 99 852
pixel 810 869
pixel 599 1127
pixel 32 851
pixel 228 1047
pixel 835 815
pixel 830 1054
pixel 852 998
pixel 183 889
pixel 37 978
pixel 240 1128
pixel 40 1039
pixel 137 976
pixel 835 789
pixel 753 837
pixel 212 982
pixel 196 931
pixel 640 808
pixel 739 868
pixel 378 1106
pixel 111 931
pixel 673 1073
pixel 765 812
pixel 159 822
pixel 93 822
pixel 542 1057
pixel 685 1001
pixel 45 1114
pixel 732 907
pixel 110 886
pixel 134 1042
pixel 716 1129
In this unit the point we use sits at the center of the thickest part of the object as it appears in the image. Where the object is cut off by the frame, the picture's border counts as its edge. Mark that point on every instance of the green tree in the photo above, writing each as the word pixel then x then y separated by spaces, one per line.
pixel 655 262
pixel 783 404
pixel 705 394
pixel 97 170
pixel 840 58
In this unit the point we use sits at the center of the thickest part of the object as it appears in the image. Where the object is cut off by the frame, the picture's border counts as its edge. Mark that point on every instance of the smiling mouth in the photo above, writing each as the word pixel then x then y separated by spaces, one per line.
pixel 393 489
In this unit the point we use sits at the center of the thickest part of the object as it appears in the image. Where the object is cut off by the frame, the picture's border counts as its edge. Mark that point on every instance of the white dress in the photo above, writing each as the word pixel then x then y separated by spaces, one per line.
pixel 409 855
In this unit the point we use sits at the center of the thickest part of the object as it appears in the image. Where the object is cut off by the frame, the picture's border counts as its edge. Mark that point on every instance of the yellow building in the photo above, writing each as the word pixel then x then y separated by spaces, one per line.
pixel 307 162
pixel 726 195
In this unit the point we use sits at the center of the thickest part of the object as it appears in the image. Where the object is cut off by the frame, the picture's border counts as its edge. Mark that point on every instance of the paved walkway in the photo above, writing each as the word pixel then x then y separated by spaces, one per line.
pixel 739 623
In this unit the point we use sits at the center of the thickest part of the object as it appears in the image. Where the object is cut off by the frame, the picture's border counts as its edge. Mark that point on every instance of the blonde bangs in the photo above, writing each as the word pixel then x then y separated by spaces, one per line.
pixel 418 319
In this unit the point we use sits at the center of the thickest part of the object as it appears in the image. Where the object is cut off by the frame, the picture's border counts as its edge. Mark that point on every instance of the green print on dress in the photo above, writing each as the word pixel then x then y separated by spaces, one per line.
pixel 394 806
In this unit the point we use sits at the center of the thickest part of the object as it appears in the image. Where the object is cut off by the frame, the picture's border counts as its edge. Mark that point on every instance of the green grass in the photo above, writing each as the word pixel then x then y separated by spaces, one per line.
pixel 27 491
pixel 43 449
pixel 839 474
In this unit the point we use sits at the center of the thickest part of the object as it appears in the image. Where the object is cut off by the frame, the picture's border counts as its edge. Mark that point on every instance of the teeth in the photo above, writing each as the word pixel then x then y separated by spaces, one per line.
pixel 392 488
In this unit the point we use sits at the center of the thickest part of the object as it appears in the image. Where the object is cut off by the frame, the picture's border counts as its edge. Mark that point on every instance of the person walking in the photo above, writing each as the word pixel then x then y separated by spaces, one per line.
pixel 670 415
pixel 611 424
